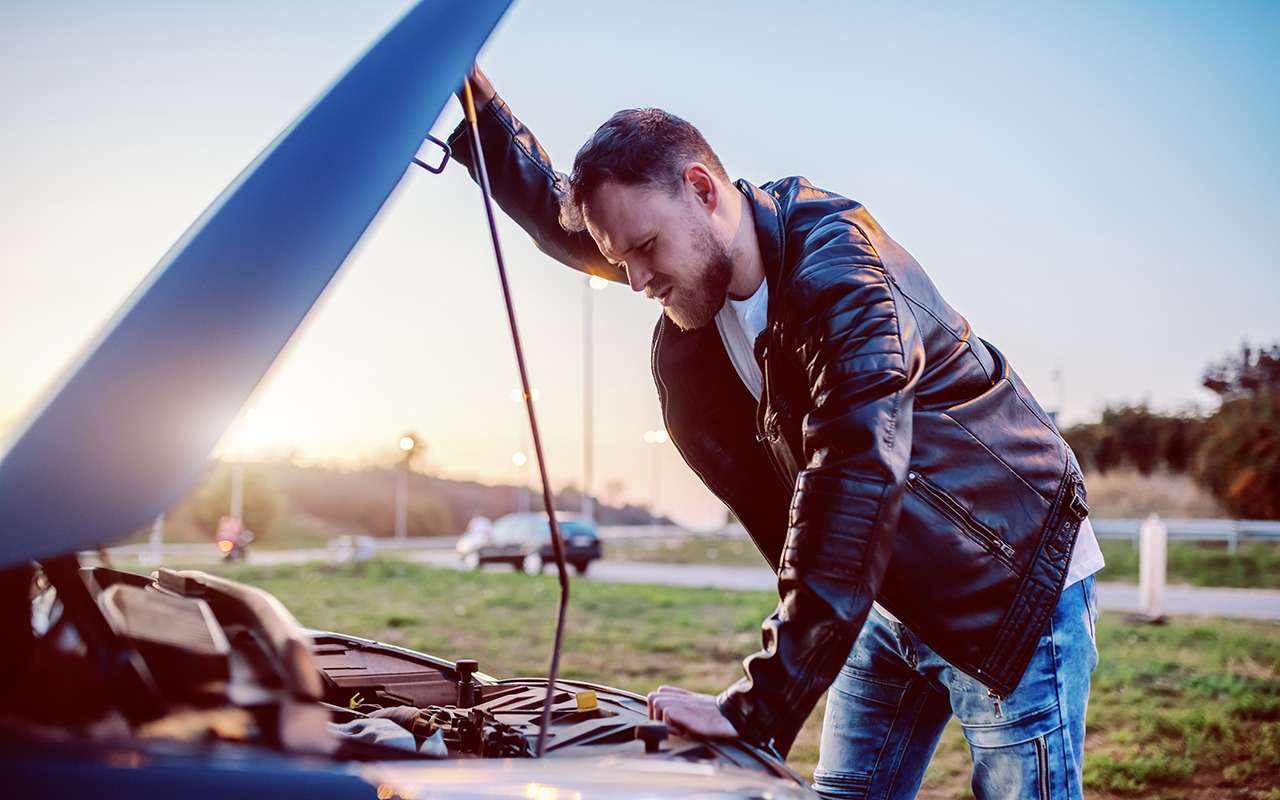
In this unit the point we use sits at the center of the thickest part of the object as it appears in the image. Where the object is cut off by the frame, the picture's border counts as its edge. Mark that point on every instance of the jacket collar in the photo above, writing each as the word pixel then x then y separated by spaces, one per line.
pixel 769 233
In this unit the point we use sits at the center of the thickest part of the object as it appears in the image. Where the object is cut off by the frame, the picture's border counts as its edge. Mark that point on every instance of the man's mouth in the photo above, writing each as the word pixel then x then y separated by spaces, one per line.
pixel 664 296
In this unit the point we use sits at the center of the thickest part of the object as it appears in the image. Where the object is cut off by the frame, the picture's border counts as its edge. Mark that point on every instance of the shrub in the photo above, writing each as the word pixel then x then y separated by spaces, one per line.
pixel 1239 457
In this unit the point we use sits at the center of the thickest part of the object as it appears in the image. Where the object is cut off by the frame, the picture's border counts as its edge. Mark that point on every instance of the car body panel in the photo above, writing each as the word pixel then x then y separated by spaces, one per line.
pixel 131 425
pixel 195 772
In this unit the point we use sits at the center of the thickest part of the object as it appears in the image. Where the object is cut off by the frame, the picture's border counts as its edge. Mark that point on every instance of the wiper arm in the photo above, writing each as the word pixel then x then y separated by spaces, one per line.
pixel 482 178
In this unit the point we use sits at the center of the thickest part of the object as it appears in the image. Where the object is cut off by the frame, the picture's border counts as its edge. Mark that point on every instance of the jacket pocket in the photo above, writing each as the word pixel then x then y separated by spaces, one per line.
pixel 949 507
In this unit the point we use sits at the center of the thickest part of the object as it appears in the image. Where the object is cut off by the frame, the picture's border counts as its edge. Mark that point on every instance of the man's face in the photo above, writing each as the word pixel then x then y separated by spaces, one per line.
pixel 668 244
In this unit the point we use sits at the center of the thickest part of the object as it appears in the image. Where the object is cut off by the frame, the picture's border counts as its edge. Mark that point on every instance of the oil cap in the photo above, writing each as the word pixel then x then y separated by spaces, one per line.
pixel 652 734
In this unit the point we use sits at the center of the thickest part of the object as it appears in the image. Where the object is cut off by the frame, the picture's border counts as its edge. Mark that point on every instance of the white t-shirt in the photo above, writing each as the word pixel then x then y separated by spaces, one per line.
pixel 741 321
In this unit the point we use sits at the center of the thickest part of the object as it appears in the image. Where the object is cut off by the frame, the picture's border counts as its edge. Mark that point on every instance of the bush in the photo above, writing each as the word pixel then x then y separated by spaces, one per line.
pixel 210 500
pixel 365 500
pixel 1136 437
pixel 1239 457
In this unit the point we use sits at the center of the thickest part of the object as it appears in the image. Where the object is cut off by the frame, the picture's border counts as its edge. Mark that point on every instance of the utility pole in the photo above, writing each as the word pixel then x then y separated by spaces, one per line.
pixel 408 445
pixel 237 493
pixel 524 467
pixel 521 463
pixel 1056 414
pixel 592 285
pixel 656 437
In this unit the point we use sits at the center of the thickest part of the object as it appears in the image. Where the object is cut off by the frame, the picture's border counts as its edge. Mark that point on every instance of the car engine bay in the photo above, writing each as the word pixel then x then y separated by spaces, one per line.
pixel 198 658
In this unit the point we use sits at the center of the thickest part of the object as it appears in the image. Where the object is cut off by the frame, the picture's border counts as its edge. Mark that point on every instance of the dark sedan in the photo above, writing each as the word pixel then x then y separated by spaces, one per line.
pixel 523 540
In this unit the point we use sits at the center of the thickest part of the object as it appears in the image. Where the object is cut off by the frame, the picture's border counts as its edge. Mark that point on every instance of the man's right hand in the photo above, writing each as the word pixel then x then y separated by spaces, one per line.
pixel 481 90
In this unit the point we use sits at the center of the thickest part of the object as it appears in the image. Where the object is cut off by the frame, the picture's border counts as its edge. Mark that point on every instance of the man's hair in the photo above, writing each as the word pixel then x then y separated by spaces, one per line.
pixel 635 146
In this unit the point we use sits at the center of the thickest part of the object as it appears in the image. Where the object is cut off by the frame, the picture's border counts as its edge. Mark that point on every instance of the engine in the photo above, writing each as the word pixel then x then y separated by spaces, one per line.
pixel 200 658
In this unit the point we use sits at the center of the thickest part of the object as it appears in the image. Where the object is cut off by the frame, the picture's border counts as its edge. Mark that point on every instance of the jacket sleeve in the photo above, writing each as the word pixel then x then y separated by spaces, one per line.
pixel 861 356
pixel 527 187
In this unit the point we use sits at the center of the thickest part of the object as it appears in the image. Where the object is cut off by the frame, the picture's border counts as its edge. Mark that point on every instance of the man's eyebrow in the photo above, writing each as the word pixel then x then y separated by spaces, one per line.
pixel 643 240
pixel 640 242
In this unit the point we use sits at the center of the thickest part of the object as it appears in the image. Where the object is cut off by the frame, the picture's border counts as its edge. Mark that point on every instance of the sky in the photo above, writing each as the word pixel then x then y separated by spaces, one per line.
pixel 1095 186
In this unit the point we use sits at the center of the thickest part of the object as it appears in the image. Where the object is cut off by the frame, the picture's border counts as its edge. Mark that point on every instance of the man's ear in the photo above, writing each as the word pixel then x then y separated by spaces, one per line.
pixel 704 186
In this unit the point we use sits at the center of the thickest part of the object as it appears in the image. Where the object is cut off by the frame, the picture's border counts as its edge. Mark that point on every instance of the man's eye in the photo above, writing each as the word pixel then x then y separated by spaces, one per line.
pixel 649 245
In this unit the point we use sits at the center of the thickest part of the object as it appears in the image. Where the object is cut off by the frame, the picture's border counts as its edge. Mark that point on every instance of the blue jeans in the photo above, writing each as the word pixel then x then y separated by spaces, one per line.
pixel 893 697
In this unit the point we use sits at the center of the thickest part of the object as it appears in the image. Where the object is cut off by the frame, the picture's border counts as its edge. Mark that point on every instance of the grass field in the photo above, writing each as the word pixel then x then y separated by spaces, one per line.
pixel 1253 565
pixel 1186 710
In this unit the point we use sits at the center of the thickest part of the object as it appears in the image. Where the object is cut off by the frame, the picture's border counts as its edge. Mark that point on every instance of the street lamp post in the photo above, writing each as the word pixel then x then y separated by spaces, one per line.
pixel 656 437
pixel 520 460
pixel 408 444
pixel 237 492
pixel 592 285
pixel 524 468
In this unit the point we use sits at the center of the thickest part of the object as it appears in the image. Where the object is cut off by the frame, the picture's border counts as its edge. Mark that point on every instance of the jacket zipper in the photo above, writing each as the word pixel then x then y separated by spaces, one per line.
pixel 771 435
pixel 949 508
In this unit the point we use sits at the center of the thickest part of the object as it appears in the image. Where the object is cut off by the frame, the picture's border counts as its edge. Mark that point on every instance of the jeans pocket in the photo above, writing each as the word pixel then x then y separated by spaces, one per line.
pixel 1017 760
pixel 1091 602
pixel 857 683
pixel 1021 731
pixel 1090 614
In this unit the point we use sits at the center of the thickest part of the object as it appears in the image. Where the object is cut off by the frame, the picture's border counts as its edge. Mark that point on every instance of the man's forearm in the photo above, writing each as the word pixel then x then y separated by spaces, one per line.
pixel 526 185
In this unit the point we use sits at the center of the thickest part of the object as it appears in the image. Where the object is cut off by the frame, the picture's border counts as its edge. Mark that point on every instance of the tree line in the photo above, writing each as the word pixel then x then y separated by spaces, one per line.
pixel 1234 451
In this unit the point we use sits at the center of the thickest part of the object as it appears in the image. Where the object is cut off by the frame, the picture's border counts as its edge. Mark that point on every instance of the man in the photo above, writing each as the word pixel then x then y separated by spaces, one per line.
pixel 874 448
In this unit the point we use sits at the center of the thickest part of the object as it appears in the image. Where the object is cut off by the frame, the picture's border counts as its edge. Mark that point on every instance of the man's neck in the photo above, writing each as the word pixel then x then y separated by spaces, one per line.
pixel 744 250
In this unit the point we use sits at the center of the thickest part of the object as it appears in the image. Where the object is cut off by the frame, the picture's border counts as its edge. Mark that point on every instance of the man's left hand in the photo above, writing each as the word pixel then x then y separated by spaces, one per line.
pixel 689 711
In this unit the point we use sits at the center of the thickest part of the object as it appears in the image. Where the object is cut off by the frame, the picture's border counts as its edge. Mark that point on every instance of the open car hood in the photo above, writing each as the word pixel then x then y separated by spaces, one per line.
pixel 130 426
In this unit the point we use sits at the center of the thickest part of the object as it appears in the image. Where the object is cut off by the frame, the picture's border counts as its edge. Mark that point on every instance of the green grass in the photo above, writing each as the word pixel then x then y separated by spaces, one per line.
pixel 733 551
pixel 1253 565
pixel 1187 709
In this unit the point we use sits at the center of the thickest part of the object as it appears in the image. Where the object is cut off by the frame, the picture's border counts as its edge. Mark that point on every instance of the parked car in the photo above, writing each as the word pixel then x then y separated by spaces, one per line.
pixel 186 684
pixel 523 540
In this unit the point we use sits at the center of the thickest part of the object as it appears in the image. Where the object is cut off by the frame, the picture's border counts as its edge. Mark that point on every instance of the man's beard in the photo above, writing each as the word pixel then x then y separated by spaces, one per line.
pixel 695 304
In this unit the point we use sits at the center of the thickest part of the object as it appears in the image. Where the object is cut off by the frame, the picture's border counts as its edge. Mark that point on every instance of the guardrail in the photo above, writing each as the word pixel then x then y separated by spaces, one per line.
pixel 1231 531
pixel 1160 531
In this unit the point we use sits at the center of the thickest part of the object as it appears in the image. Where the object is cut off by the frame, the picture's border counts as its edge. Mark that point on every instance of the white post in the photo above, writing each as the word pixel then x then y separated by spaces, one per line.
pixel 155 554
pixel 1154 541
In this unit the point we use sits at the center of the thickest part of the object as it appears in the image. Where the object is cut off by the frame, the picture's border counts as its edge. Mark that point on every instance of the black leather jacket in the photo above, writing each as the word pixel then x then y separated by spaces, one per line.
pixel 894 455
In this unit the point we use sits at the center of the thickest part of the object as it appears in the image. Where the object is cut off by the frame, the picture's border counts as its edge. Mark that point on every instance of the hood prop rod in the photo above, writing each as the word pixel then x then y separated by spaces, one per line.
pixel 557 544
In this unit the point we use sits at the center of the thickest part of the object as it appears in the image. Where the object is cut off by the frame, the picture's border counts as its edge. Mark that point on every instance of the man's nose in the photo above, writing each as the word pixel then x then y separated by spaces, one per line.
pixel 638 277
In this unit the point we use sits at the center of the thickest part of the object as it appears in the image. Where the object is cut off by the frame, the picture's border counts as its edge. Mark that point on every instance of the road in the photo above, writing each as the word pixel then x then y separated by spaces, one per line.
pixel 1123 597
